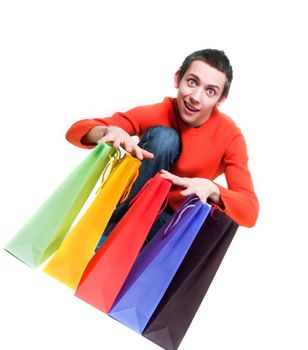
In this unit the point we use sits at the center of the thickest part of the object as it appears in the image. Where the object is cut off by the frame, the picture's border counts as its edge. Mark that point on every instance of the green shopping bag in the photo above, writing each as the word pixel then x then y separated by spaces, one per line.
pixel 44 232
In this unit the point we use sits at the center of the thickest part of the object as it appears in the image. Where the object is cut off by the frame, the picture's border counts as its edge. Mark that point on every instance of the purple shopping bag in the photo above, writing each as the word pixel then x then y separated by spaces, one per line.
pixel 157 264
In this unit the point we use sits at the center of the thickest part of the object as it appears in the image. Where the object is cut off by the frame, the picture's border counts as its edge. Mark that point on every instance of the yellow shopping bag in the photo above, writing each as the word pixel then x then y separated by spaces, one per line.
pixel 69 262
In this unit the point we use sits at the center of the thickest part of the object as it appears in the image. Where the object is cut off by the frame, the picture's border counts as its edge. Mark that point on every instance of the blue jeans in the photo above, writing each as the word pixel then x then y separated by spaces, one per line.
pixel 164 143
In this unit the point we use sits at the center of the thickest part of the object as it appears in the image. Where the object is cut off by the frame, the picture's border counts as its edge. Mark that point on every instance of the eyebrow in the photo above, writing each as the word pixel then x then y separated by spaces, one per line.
pixel 197 78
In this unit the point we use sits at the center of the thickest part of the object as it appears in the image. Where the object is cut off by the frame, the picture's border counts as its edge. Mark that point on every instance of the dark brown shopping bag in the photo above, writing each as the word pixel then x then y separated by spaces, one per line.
pixel 184 295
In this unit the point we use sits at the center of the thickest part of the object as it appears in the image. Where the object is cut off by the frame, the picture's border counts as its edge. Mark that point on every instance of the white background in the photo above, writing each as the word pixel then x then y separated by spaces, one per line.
pixel 62 61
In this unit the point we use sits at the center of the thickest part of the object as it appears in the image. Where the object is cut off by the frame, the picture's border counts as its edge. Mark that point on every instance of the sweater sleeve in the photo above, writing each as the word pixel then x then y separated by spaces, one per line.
pixel 239 200
pixel 134 122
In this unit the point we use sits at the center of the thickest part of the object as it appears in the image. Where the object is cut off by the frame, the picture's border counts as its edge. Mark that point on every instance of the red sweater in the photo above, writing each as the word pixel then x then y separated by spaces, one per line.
pixel 214 148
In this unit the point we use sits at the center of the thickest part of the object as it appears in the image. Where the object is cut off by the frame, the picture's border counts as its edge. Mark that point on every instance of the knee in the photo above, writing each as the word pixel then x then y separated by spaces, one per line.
pixel 161 139
pixel 164 143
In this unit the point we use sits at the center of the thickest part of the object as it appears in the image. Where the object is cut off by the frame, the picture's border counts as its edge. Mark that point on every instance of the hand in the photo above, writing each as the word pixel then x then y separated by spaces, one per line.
pixel 120 137
pixel 203 188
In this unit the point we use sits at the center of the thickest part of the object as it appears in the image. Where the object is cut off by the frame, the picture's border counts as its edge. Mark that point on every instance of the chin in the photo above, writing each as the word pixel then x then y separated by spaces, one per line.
pixel 188 120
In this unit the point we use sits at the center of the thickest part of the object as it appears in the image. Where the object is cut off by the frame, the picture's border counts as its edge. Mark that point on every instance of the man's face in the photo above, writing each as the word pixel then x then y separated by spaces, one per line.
pixel 198 92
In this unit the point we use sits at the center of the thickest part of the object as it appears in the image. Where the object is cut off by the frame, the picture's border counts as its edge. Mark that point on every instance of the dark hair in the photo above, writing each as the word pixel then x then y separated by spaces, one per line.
pixel 216 59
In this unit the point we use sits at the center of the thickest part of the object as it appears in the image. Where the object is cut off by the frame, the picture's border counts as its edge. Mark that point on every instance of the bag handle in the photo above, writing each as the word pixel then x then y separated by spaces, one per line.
pixel 178 215
pixel 113 161
pixel 164 205
pixel 133 200
pixel 213 209
pixel 129 187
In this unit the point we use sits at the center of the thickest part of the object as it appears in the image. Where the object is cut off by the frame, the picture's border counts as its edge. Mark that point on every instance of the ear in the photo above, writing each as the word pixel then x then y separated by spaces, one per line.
pixel 221 100
pixel 177 79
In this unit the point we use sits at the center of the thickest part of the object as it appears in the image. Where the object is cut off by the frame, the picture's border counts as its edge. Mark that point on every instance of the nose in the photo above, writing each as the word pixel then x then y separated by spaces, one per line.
pixel 196 96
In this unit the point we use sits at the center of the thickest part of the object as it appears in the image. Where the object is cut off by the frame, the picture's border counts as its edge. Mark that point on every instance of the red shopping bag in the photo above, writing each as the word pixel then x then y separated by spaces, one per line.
pixel 109 267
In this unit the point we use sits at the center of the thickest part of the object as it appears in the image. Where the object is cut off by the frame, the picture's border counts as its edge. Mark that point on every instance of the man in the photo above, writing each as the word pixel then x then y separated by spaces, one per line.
pixel 187 136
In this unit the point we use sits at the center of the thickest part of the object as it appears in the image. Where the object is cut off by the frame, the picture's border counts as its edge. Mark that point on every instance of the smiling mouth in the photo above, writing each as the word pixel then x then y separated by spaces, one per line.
pixel 190 108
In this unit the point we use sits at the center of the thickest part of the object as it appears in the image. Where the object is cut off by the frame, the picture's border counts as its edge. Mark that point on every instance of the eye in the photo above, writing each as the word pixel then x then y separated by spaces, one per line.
pixel 211 92
pixel 191 82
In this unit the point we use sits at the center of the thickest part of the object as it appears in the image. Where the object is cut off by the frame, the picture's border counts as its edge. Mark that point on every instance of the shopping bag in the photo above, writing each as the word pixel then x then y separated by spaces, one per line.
pixel 43 233
pixel 109 267
pixel 184 295
pixel 157 264
pixel 70 260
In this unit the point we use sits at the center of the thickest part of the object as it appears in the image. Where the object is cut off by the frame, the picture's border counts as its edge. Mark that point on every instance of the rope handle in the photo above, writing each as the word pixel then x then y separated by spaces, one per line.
pixel 111 165
pixel 178 215
pixel 133 200
pixel 213 209
pixel 129 187
pixel 164 205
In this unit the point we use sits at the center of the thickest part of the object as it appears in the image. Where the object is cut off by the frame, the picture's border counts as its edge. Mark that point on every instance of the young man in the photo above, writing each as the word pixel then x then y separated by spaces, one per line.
pixel 186 138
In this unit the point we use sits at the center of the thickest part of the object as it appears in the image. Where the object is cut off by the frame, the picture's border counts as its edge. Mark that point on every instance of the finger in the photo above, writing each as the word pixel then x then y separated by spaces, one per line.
pixel 117 141
pixel 147 154
pixel 166 175
pixel 105 139
pixel 138 153
pixel 203 199
pixel 202 196
pixel 188 192
pixel 127 145
pixel 163 171
pixel 176 180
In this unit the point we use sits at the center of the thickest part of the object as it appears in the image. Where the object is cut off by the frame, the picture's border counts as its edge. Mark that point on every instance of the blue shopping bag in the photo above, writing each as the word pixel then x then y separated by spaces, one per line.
pixel 157 264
